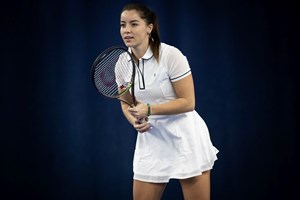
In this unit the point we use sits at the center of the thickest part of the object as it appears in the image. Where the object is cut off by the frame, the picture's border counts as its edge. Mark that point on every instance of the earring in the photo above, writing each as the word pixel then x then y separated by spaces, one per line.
pixel 152 39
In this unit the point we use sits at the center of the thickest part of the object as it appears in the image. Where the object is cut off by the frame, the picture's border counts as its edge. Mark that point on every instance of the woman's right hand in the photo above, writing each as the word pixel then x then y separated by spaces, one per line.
pixel 142 125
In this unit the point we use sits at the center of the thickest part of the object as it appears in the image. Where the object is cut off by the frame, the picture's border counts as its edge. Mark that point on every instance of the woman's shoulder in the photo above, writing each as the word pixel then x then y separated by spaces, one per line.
pixel 168 47
pixel 170 50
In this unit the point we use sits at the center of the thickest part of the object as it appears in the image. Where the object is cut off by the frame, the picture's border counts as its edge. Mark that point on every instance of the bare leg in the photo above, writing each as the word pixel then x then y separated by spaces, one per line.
pixel 196 188
pixel 147 191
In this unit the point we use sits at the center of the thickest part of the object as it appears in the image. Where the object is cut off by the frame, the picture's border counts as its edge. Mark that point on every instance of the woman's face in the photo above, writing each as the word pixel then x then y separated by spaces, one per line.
pixel 134 30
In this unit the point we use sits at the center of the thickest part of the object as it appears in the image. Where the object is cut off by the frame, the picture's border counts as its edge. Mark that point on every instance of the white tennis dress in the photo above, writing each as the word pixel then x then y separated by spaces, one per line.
pixel 176 146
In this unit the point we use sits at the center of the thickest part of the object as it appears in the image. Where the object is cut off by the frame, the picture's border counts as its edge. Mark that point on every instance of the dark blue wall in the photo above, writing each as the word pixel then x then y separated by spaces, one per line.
pixel 60 140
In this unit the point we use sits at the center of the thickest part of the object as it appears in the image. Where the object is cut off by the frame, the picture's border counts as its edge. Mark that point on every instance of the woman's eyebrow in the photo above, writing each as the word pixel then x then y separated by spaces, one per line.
pixel 135 20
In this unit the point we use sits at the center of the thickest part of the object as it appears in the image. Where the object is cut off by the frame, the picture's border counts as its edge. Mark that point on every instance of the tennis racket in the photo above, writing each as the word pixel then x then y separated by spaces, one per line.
pixel 113 74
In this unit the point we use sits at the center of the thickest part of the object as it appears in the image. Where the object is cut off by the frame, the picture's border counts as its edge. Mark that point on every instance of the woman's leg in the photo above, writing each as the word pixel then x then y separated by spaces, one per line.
pixel 196 188
pixel 147 191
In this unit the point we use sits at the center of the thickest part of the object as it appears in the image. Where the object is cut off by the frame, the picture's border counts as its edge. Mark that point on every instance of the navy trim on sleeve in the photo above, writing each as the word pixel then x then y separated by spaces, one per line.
pixel 172 79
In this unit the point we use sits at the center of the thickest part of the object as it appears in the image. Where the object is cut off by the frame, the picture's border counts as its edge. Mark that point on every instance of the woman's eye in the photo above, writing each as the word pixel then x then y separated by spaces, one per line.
pixel 122 25
pixel 134 24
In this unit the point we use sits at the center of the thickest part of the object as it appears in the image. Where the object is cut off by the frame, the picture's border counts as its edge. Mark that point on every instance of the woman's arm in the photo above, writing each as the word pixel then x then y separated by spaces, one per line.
pixel 139 125
pixel 125 108
pixel 185 102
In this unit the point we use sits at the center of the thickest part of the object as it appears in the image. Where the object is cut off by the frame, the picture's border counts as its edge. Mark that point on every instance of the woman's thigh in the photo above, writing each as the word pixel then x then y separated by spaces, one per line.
pixel 147 191
pixel 197 187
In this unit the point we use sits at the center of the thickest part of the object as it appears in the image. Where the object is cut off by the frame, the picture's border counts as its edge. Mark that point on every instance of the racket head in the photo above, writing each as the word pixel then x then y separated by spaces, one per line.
pixel 113 73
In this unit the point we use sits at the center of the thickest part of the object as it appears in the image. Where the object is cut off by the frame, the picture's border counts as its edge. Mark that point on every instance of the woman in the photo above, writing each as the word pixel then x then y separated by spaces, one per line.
pixel 174 142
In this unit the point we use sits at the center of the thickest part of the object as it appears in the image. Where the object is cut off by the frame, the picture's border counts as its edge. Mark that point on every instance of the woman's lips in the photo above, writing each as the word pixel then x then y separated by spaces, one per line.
pixel 128 37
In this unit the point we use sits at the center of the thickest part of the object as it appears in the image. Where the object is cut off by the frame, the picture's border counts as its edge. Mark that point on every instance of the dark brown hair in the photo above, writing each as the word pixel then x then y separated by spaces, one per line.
pixel 150 18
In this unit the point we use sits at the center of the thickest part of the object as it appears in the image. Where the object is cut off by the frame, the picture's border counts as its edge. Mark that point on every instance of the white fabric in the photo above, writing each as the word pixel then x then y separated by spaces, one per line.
pixel 176 146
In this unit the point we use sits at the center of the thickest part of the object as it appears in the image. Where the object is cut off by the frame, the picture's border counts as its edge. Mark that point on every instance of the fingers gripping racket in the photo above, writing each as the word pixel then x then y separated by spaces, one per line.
pixel 113 74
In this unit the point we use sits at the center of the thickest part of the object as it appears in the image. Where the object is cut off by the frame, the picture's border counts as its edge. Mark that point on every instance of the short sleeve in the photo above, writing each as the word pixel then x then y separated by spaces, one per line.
pixel 177 64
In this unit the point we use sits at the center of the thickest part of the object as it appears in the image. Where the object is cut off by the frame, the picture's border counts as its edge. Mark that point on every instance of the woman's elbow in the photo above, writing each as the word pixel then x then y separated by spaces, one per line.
pixel 190 105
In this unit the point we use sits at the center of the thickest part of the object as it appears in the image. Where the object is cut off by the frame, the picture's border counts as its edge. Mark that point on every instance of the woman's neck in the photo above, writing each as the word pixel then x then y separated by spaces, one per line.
pixel 139 51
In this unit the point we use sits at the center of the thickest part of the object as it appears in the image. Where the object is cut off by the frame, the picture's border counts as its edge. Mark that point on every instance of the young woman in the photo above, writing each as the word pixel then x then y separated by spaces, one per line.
pixel 174 142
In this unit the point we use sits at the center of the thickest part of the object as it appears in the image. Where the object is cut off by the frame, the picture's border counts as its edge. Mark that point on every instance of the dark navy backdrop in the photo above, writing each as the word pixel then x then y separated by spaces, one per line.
pixel 60 140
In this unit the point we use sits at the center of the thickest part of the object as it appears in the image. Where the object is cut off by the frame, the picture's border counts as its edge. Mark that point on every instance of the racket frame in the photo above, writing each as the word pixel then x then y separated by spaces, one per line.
pixel 130 86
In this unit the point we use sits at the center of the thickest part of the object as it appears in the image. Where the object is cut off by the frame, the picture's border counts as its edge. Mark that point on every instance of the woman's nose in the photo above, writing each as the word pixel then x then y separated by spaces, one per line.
pixel 127 29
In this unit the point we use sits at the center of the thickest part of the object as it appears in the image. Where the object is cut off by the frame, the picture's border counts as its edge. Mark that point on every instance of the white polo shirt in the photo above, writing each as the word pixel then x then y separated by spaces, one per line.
pixel 153 79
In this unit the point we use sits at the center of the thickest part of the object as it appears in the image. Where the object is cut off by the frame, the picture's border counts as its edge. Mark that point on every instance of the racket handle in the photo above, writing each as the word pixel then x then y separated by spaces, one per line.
pixel 143 120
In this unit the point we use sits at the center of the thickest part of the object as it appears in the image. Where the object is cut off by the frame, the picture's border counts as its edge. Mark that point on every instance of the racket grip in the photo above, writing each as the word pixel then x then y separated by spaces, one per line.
pixel 142 120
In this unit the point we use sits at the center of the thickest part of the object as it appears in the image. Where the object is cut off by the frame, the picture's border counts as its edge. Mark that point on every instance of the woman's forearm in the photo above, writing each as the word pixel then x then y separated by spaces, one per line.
pixel 126 113
pixel 177 106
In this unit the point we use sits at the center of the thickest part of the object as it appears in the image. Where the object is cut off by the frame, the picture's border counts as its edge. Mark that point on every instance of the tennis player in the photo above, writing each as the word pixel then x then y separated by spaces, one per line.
pixel 174 143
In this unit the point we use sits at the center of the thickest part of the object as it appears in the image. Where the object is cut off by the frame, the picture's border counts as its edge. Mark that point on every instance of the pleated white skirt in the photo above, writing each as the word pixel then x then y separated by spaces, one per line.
pixel 176 147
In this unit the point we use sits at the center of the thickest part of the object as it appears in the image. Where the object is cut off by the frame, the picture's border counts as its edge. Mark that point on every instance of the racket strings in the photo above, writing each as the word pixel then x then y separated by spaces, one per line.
pixel 104 76
pixel 113 72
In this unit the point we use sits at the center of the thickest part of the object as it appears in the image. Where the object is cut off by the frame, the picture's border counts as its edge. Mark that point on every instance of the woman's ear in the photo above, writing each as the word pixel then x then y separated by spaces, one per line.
pixel 149 28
